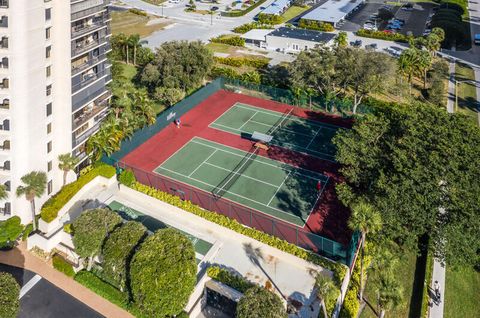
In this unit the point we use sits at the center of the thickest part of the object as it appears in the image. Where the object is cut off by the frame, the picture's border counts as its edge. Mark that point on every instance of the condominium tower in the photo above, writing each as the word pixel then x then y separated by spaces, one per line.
pixel 53 94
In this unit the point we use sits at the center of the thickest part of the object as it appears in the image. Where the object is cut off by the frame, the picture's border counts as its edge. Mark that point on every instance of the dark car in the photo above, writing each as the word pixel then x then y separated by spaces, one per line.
pixel 215 8
pixel 357 43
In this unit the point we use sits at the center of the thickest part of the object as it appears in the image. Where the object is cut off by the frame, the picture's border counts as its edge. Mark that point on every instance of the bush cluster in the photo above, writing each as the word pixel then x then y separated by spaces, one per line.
pixel 68 228
pixel 315 25
pixel 9 294
pixel 61 265
pixel 53 205
pixel 244 28
pixel 224 276
pixel 243 61
pixel 10 231
pixel 251 77
pixel 269 18
pixel 243 12
pixel 127 177
pixel 138 12
pixel 107 291
pixel 339 270
pixel 230 40
pixel 398 37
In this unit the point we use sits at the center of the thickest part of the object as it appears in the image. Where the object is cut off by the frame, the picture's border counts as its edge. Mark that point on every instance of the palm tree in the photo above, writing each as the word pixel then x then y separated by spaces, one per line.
pixel 325 288
pixel 365 219
pixel 66 162
pixel 389 292
pixel 122 41
pixel 143 107
pixel 34 186
pixel 134 42
pixel 407 64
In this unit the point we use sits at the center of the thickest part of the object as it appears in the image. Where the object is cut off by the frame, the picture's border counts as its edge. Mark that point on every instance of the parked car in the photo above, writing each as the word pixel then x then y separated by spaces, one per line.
pixel 215 8
pixel 357 43
pixel 371 47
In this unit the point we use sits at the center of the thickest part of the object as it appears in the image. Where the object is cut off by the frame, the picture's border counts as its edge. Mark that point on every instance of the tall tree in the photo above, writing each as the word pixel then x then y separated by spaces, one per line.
pixel 134 42
pixel 365 219
pixel 341 39
pixel 34 185
pixel 66 162
pixel 91 229
pixel 9 296
pixel 325 291
pixel 408 64
pixel 409 161
pixel 389 293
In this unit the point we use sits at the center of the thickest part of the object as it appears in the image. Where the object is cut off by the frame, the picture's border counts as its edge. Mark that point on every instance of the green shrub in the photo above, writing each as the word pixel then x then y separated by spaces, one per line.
pixel 243 12
pixel 224 276
pixel 271 19
pixel 350 304
pixel 315 25
pixel 102 288
pixel 68 228
pixel 224 72
pixel 127 177
pixel 244 28
pixel 138 12
pixel 243 61
pixel 53 205
pixel 398 37
pixel 61 265
pixel 10 231
pixel 230 40
pixel 339 270
pixel 9 294
pixel 428 279
pixel 260 302
pixel 26 232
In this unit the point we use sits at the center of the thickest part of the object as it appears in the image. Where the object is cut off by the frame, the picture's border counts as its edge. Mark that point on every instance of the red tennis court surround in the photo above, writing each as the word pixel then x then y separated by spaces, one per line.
pixel 329 217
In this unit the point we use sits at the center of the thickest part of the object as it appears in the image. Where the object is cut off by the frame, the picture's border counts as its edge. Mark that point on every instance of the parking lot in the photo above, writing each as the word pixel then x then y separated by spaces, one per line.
pixel 41 299
pixel 413 18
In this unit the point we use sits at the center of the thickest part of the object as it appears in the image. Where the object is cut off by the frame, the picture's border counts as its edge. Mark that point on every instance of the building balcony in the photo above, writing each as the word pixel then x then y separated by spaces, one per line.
pixel 88 62
pixel 79 13
pixel 6 210
pixel 5 166
pixel 85 46
pixel 90 112
pixel 5 125
pixel 5 104
pixel 86 28
pixel 3 4
pixel 89 78
pixel 5 145
pixel 4 21
pixel 79 139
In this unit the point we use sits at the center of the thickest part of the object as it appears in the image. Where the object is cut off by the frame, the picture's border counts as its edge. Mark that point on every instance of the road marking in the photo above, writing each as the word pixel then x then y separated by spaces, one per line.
pixel 29 285
pixel 202 163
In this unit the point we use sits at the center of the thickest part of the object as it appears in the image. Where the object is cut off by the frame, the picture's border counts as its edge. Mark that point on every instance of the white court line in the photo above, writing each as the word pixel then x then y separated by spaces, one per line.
pixel 29 285
pixel 308 145
pixel 281 184
pixel 281 128
pixel 320 176
pixel 233 193
pixel 241 174
pixel 202 163
pixel 248 120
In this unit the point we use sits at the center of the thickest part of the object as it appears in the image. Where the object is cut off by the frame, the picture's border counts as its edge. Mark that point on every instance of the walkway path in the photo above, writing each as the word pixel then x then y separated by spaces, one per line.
pixel 19 257
pixel 436 311
pixel 451 88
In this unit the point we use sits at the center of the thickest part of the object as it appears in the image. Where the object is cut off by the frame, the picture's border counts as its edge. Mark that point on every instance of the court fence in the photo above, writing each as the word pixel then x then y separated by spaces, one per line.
pixel 248 217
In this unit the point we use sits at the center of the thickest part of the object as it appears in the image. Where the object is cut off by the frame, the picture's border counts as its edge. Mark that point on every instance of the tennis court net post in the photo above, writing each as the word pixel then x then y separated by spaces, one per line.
pixel 233 176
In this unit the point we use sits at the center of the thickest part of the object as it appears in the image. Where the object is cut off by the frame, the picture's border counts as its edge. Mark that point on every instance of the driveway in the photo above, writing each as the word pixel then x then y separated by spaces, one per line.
pixel 41 299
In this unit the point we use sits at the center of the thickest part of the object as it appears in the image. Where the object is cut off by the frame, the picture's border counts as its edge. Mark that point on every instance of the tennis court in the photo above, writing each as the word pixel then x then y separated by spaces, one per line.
pixel 201 246
pixel 269 186
pixel 292 132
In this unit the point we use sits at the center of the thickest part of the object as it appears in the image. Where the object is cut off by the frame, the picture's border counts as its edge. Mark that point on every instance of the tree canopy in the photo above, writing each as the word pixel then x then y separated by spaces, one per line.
pixel 118 250
pixel 91 229
pixel 10 230
pixel 258 302
pixel 178 64
pixel 409 161
pixel 9 293
pixel 163 273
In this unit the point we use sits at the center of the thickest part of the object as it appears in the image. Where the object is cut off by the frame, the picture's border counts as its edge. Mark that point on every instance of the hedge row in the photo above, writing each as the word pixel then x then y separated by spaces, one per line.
pixel 243 61
pixel 53 205
pixel 62 265
pixel 398 37
pixel 230 40
pixel 224 276
pixel 244 28
pixel 428 279
pixel 339 270
pixel 243 12
pixel 98 286
pixel 315 25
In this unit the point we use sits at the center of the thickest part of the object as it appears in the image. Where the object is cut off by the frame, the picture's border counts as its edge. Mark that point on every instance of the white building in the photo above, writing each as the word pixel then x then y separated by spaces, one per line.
pixel 53 94
pixel 333 11
pixel 287 40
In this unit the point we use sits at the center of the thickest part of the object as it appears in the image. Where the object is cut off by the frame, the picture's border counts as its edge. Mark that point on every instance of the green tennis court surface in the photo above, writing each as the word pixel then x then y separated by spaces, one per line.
pixel 272 187
pixel 201 246
pixel 295 133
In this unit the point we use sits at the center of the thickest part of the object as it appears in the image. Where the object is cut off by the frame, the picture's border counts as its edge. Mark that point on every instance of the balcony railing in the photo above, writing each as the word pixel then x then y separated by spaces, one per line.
pixel 84 29
pixel 89 80
pixel 3 3
pixel 86 116
pixel 5 145
pixel 92 61
pixel 4 22
pixel 82 47
pixel 87 12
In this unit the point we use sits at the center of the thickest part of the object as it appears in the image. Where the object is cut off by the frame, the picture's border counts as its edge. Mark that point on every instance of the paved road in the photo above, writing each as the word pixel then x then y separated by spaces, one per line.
pixel 41 299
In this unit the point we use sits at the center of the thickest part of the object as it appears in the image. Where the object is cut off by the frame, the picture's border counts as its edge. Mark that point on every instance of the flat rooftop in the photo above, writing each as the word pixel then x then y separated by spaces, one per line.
pixel 332 11
pixel 302 34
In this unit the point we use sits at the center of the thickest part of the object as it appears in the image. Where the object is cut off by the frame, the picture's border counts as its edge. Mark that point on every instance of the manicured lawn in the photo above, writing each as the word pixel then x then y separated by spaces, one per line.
pixel 405 274
pixel 131 23
pixel 462 296
pixel 222 48
pixel 292 12
pixel 467 96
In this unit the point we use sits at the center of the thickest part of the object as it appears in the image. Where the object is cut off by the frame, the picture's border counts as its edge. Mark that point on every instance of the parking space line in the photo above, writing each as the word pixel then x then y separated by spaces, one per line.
pixel 29 285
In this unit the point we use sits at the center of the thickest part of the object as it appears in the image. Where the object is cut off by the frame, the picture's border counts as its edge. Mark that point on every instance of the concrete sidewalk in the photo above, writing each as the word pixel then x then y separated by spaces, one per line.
pixel 20 257
pixel 451 88
pixel 436 311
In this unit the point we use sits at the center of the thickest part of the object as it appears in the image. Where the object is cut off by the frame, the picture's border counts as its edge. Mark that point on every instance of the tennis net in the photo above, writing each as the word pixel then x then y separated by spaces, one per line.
pixel 233 176
pixel 280 122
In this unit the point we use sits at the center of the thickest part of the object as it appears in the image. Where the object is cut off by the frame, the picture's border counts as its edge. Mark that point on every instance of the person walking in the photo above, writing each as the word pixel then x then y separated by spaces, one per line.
pixel 436 288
